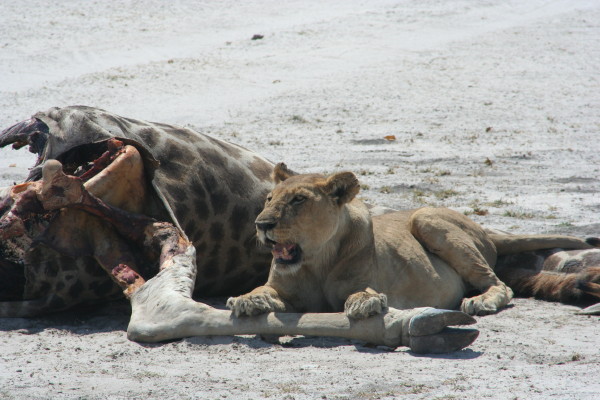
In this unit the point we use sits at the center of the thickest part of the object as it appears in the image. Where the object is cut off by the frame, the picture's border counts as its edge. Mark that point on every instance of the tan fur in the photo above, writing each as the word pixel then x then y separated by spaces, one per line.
pixel 354 262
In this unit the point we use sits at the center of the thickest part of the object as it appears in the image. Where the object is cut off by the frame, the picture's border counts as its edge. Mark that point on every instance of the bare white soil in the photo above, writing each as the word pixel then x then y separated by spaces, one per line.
pixel 495 110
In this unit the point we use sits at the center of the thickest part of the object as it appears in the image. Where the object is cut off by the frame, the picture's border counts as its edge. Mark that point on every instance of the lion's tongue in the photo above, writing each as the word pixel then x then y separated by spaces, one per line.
pixel 283 251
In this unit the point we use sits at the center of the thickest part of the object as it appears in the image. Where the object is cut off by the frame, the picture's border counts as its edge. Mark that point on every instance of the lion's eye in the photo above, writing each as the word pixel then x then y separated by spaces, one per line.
pixel 298 199
pixel 269 198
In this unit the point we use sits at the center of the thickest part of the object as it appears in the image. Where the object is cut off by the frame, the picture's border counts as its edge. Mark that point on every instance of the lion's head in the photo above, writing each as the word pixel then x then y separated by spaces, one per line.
pixel 302 214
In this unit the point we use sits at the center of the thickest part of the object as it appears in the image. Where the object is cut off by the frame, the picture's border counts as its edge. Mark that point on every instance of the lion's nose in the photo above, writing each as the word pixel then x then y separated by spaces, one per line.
pixel 265 225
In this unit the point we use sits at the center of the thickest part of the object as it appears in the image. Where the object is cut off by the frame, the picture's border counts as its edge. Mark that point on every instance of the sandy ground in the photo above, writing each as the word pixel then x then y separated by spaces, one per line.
pixel 494 106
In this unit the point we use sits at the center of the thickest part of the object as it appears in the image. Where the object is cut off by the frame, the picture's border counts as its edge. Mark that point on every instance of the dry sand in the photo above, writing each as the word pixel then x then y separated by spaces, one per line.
pixel 495 108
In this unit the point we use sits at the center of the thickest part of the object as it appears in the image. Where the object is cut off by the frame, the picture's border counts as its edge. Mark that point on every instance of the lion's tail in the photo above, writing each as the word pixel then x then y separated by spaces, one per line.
pixel 513 244
pixel 554 286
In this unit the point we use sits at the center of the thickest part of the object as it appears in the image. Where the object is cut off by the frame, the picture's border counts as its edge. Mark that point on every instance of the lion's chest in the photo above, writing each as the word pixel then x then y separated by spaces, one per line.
pixel 305 291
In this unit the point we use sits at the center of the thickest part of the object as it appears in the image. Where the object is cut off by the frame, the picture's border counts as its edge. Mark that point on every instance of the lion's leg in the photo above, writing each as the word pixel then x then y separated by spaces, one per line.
pixel 465 247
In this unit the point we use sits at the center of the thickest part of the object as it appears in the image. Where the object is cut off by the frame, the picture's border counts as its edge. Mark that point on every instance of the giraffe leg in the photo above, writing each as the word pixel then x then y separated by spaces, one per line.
pixel 163 309
pixel 591 310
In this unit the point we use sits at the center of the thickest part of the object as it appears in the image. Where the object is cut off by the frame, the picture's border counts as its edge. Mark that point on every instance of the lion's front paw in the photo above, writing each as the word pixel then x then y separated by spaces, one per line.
pixel 362 304
pixel 490 302
pixel 254 304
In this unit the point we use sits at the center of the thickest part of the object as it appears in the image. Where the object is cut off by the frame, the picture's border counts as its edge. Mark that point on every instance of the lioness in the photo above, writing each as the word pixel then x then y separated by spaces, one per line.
pixel 330 254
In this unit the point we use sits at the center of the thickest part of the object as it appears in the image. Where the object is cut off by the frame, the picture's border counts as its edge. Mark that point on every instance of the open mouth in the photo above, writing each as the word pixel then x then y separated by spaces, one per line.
pixel 285 253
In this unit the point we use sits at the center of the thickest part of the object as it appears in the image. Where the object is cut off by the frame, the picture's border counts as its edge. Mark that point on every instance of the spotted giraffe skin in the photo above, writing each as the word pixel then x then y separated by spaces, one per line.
pixel 210 189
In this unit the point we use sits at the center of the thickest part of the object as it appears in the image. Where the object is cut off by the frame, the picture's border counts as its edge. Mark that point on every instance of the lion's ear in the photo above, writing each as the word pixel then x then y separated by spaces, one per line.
pixel 281 173
pixel 342 186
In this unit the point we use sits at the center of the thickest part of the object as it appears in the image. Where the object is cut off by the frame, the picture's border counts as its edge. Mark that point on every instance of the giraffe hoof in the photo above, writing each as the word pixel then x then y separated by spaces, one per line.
pixel 447 341
pixel 433 320
pixel 429 331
